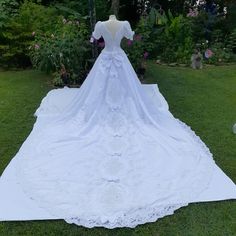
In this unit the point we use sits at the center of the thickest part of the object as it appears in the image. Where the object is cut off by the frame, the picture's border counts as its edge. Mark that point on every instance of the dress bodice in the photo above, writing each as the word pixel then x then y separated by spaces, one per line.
pixel 112 43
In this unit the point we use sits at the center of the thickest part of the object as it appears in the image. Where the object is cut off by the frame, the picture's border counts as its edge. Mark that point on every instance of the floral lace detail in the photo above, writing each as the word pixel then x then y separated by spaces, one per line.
pixel 130 220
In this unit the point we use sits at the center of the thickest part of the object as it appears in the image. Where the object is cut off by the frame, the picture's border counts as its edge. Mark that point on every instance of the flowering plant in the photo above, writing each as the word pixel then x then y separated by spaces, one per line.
pixel 139 48
pixel 65 45
pixel 208 53
pixel 192 13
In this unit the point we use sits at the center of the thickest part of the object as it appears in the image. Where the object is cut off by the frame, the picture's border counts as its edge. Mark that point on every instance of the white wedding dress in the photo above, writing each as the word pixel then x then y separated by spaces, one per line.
pixel 113 157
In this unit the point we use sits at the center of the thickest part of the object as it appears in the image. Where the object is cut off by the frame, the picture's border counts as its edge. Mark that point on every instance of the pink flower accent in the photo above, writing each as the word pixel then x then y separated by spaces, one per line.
pixel 101 44
pixel 192 13
pixel 145 55
pixel 208 53
pixel 36 46
pixel 138 37
pixel 129 42
pixel 33 33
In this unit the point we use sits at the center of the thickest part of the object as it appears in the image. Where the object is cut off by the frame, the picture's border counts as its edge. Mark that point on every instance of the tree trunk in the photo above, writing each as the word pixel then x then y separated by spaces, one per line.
pixel 92 16
pixel 115 5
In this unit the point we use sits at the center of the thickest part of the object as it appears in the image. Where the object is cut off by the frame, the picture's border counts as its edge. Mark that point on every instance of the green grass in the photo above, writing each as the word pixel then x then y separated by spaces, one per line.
pixel 204 99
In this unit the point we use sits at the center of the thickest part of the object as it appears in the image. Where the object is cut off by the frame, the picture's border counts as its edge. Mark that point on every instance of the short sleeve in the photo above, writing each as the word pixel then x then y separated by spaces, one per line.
pixel 128 33
pixel 97 30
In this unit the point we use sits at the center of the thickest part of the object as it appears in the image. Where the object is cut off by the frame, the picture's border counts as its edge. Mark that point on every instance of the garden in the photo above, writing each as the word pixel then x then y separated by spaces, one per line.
pixel 54 36
pixel 187 47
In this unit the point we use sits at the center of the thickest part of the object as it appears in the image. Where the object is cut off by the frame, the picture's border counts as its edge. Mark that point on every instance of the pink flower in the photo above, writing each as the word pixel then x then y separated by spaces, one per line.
pixel 33 33
pixel 192 13
pixel 129 42
pixel 101 44
pixel 145 55
pixel 138 37
pixel 36 46
pixel 208 53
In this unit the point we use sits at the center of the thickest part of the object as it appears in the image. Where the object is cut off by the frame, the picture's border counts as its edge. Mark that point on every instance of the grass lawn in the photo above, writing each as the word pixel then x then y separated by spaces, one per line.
pixel 204 99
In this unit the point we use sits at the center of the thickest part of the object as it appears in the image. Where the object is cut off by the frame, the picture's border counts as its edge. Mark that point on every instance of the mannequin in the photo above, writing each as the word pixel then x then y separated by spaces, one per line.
pixel 113 24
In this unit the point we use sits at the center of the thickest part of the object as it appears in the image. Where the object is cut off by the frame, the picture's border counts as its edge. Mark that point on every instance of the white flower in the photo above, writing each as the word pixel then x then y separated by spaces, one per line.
pixel 91 40
pixel 234 128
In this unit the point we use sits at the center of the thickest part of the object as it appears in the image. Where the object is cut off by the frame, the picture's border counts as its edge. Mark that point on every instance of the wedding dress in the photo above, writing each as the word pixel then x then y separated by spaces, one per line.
pixel 113 157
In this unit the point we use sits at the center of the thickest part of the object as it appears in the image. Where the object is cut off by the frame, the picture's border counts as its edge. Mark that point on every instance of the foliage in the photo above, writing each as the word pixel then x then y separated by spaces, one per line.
pixel 212 26
pixel 8 9
pixel 231 41
pixel 231 16
pixel 17 32
pixel 14 43
pixel 53 39
pixel 222 47
pixel 172 37
pixel 175 37
pixel 141 46
pixel 80 9
pixel 167 30
pixel 220 54
pixel 67 8
pixel 65 45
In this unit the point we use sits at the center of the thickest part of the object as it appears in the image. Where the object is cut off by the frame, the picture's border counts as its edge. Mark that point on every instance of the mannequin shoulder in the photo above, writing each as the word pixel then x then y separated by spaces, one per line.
pixel 98 23
pixel 127 24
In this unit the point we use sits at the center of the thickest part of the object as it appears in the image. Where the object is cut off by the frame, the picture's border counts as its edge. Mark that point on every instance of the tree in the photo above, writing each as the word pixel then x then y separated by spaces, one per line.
pixel 115 5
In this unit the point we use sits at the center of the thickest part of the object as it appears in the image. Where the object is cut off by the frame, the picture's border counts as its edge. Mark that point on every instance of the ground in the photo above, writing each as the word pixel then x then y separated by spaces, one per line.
pixel 204 99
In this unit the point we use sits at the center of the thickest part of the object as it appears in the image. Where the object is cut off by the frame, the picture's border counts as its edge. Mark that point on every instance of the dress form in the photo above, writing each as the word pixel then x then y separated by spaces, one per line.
pixel 113 24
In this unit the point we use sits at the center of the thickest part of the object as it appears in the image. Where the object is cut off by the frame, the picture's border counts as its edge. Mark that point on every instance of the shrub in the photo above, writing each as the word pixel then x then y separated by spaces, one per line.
pixel 231 41
pixel 17 31
pixel 138 49
pixel 65 45
pixel 8 9
pixel 173 38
